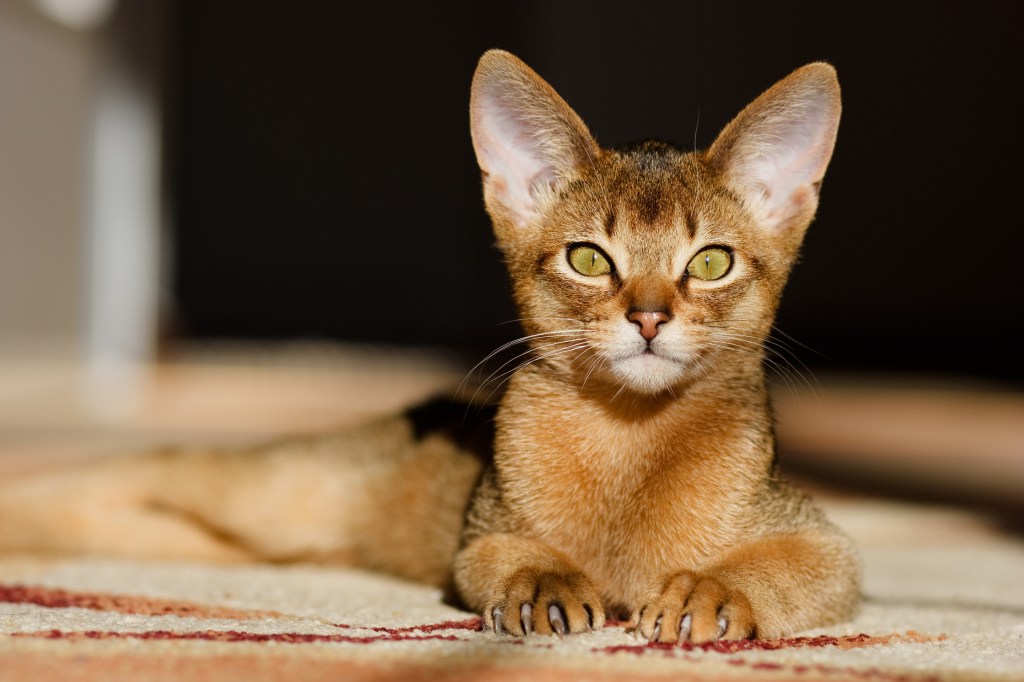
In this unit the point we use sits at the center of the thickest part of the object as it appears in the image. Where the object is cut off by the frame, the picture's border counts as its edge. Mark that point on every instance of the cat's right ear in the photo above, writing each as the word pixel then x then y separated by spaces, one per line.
pixel 775 152
pixel 526 137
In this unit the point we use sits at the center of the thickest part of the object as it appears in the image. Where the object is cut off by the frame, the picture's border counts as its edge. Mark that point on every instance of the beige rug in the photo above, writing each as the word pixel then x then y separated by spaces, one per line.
pixel 944 587
pixel 944 601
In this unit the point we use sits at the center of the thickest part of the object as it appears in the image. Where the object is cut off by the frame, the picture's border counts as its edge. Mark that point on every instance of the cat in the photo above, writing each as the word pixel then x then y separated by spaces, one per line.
pixel 629 471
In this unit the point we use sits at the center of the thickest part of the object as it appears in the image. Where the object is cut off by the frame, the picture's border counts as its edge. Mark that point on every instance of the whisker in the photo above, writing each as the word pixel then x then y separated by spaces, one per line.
pixel 801 344
pixel 755 351
pixel 529 351
pixel 576 357
pixel 514 342
pixel 621 388
pixel 597 360
pixel 541 353
pixel 539 318
pixel 780 359
pixel 507 375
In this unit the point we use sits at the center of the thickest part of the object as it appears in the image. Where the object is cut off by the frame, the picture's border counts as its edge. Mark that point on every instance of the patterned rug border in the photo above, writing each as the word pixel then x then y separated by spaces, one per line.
pixel 442 631
pixel 57 598
pixel 843 642
pixel 175 664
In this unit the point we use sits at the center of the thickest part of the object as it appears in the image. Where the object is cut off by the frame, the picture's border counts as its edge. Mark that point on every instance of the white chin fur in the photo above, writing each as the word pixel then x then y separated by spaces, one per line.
pixel 648 373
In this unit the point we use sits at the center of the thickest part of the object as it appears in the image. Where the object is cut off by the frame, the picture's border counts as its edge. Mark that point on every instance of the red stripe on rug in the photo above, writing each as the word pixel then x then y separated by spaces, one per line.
pixel 85 664
pixel 226 636
pixel 473 624
pixel 802 670
pixel 56 598
pixel 736 646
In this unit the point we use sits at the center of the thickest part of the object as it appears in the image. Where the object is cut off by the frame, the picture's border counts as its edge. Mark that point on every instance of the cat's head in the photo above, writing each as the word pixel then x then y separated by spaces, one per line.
pixel 646 267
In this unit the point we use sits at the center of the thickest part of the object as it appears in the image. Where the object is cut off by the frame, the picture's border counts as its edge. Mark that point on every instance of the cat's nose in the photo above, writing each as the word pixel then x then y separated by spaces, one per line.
pixel 648 322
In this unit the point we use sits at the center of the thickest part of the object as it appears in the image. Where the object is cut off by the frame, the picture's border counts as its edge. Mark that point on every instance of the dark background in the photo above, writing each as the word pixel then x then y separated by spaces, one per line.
pixel 323 183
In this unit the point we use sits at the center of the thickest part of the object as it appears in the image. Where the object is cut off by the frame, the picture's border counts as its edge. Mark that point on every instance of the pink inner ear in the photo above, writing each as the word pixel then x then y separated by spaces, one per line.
pixel 508 152
pixel 785 160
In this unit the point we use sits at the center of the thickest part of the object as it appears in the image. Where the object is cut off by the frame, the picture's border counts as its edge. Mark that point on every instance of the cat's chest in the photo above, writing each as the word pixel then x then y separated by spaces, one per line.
pixel 626 504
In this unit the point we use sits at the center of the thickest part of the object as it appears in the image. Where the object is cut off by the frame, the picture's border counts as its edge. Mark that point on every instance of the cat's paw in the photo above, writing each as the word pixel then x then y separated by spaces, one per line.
pixel 697 609
pixel 545 603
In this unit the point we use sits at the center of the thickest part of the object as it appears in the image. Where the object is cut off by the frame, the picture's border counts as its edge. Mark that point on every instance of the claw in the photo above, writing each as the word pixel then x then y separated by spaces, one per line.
pixel 637 619
pixel 684 628
pixel 657 630
pixel 526 617
pixel 557 619
pixel 499 627
pixel 723 625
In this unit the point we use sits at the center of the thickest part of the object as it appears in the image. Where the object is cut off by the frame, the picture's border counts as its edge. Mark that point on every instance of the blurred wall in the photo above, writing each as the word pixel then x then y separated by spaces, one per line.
pixel 46 75
pixel 322 182
pixel 325 183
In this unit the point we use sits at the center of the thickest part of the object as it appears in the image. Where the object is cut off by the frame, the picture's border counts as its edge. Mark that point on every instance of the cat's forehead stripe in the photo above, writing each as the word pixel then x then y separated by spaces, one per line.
pixel 690 222
pixel 661 210
pixel 609 223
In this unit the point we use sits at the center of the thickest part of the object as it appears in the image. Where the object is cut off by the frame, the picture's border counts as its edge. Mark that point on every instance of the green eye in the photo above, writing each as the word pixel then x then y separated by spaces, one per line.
pixel 588 261
pixel 710 264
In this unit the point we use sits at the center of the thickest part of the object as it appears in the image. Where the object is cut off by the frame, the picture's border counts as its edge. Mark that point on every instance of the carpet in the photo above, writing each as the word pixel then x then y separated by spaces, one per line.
pixel 944 600
pixel 943 585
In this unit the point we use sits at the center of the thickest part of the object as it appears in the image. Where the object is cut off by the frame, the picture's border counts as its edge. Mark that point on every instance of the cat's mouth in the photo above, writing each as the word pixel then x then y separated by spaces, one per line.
pixel 646 354
pixel 648 371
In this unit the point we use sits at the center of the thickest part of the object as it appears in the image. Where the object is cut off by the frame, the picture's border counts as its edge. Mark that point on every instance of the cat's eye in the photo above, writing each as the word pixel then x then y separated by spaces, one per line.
pixel 588 260
pixel 710 264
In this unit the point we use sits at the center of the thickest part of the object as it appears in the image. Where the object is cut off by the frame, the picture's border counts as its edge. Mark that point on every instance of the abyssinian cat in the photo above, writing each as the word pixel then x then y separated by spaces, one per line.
pixel 628 471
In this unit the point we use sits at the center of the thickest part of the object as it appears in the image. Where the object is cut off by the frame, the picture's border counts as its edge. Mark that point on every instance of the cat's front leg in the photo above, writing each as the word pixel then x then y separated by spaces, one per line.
pixel 523 586
pixel 767 588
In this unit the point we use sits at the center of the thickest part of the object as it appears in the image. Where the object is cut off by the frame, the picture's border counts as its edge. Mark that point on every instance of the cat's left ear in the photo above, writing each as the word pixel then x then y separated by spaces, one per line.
pixel 526 137
pixel 775 152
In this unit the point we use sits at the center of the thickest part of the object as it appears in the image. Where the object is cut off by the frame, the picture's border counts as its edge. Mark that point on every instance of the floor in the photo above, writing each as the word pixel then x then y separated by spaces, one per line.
pixel 943 592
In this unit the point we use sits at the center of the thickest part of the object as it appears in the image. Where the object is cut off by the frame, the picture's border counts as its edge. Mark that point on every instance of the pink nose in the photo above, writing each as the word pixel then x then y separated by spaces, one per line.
pixel 648 322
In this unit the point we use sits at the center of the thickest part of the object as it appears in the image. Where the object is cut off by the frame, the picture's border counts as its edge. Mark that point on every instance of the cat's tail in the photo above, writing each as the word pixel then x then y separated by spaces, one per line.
pixel 390 495
pixel 103 508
